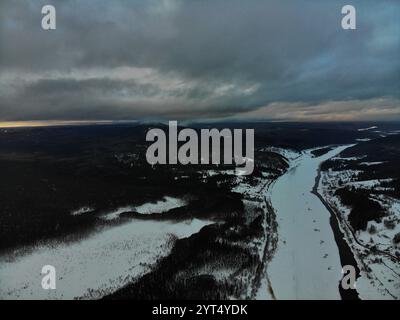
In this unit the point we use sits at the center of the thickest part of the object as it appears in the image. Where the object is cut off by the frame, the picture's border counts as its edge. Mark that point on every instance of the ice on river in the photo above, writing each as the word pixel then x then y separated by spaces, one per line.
pixel 307 263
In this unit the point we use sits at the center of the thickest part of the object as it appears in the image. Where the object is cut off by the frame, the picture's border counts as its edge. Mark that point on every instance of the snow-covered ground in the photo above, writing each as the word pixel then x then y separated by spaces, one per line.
pixel 160 206
pixel 94 266
pixel 164 205
pixel 307 263
pixel 367 184
pixel 373 248
pixel 371 163
pixel 369 128
pixel 363 139
pixel 82 210
pixel 287 153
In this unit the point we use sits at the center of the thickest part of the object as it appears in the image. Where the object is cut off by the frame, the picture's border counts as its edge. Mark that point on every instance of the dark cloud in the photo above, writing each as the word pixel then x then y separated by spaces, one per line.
pixel 188 58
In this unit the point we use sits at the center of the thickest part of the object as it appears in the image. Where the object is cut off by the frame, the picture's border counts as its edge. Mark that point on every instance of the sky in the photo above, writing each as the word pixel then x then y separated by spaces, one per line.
pixel 191 59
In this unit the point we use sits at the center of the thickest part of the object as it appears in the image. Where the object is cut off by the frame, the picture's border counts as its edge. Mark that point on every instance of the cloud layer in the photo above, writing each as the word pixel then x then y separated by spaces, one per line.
pixel 188 59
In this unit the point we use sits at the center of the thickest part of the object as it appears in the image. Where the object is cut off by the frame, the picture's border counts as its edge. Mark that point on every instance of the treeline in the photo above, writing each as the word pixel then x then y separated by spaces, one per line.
pixel 320 152
pixel 363 209
pixel 215 263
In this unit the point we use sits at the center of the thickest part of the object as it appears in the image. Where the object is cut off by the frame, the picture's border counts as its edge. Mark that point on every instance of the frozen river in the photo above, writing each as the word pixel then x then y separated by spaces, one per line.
pixel 306 264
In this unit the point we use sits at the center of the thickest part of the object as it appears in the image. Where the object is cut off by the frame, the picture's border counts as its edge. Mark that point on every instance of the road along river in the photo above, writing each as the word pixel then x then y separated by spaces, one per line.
pixel 307 263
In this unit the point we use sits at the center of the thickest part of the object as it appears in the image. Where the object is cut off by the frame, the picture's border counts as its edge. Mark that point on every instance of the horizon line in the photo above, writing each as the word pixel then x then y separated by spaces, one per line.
pixel 57 123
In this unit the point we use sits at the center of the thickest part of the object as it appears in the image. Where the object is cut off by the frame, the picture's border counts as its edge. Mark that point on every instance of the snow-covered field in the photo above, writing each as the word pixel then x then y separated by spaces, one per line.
pixel 167 203
pixel 160 206
pixel 307 263
pixel 94 266
pixel 369 128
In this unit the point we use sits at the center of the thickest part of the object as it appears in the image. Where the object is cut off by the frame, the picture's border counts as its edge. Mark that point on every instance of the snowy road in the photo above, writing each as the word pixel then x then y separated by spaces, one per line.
pixel 306 264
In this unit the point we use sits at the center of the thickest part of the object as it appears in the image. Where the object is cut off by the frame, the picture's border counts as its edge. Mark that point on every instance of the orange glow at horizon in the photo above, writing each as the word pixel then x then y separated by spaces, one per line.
pixel 49 123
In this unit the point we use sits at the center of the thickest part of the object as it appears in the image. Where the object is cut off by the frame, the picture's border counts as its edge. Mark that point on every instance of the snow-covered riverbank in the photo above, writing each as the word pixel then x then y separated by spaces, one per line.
pixel 373 248
pixel 307 262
